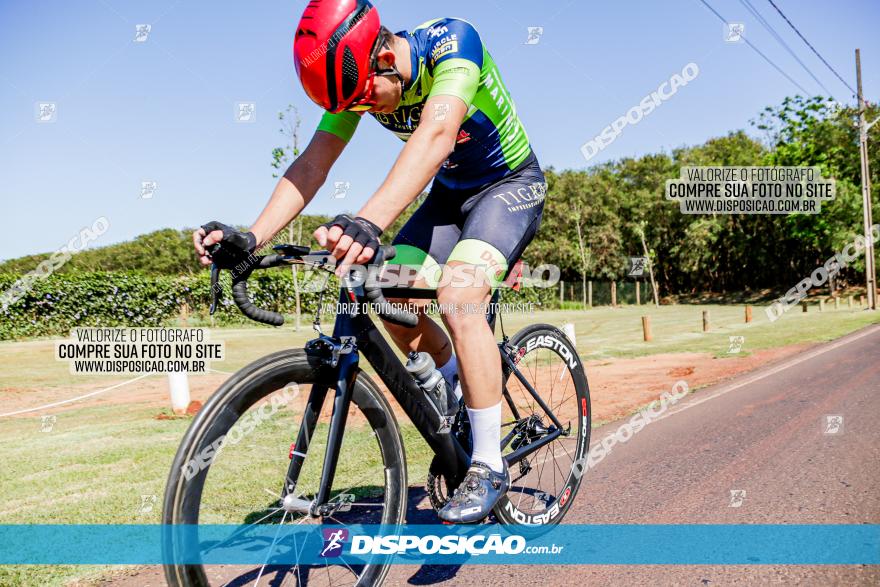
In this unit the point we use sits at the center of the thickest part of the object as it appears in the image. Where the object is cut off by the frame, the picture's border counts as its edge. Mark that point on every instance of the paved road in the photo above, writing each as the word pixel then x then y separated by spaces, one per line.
pixel 762 433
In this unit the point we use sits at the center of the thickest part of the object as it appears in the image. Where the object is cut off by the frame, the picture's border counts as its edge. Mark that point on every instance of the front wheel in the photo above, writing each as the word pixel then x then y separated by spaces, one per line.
pixel 257 415
pixel 545 482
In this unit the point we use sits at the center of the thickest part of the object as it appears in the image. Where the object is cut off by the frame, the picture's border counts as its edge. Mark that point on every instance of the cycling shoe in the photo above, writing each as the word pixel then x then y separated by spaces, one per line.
pixel 476 496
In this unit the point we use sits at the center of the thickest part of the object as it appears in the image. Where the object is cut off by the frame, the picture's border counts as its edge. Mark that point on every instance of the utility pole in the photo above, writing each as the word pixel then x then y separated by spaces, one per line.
pixel 871 276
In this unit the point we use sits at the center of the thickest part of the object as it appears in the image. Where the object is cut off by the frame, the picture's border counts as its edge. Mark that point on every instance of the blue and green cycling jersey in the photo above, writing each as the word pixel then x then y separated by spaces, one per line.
pixel 449 59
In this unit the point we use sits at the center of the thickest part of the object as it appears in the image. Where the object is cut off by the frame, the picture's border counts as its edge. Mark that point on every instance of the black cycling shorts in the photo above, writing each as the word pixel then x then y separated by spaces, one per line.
pixel 488 226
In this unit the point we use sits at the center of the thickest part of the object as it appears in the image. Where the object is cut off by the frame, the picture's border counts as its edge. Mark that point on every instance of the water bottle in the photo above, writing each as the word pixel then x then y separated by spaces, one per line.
pixel 421 366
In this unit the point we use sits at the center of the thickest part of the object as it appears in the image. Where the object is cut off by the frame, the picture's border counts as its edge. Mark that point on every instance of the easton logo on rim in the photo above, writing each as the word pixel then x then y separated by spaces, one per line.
pixel 551 342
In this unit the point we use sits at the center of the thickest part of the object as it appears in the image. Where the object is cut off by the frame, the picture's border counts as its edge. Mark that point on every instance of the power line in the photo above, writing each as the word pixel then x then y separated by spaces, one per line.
pixel 758 51
pixel 813 49
pixel 782 42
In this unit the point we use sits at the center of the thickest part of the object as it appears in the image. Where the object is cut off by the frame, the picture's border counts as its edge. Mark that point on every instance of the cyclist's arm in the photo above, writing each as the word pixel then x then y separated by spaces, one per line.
pixel 419 161
pixel 302 180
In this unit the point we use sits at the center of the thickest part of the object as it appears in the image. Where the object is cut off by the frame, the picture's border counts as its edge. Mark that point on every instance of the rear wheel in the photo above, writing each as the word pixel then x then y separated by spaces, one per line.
pixel 242 483
pixel 544 484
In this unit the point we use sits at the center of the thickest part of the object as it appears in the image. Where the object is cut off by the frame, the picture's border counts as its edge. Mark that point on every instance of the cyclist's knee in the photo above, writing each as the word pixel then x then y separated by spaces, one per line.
pixel 462 305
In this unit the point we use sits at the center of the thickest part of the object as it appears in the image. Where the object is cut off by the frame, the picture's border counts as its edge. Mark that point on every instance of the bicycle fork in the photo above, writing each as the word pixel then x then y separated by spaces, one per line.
pixel 343 358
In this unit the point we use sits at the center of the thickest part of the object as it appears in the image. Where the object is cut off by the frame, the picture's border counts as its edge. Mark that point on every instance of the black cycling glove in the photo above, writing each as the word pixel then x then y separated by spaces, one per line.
pixel 360 229
pixel 235 247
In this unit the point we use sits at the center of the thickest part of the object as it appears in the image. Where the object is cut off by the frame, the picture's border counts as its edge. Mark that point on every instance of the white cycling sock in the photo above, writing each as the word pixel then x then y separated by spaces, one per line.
pixel 448 371
pixel 486 434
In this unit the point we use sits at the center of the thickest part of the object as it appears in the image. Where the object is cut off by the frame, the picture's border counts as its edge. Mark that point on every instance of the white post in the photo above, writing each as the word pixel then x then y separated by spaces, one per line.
pixel 568 329
pixel 178 385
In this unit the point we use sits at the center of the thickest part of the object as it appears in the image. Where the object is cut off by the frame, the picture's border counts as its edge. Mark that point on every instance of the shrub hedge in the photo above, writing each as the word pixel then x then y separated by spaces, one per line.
pixel 60 302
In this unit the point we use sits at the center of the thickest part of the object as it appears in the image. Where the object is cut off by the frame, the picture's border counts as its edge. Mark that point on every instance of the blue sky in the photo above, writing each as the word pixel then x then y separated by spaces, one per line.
pixel 163 110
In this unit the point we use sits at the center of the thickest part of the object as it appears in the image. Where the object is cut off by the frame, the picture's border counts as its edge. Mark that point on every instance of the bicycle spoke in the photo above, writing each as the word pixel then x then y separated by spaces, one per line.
pixel 565 397
pixel 540 467
pixel 533 372
pixel 573 392
pixel 556 464
pixel 568 454
pixel 540 474
pixel 521 493
pixel 552 388
pixel 244 529
pixel 522 390
pixel 299 549
pixel 271 548
pixel 298 553
pixel 553 371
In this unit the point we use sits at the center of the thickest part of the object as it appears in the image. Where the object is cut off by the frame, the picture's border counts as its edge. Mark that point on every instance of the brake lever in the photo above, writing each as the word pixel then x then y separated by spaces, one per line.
pixel 216 289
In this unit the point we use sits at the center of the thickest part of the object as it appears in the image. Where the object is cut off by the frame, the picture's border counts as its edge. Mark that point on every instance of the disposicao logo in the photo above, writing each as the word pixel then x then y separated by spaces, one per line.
pixel 470 545
pixel 334 538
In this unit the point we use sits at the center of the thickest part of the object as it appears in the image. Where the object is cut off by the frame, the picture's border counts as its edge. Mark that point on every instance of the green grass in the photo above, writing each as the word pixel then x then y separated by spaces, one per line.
pixel 93 467
pixel 602 332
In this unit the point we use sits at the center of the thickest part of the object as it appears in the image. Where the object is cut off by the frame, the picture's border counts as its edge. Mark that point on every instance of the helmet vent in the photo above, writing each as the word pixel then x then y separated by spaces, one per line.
pixel 349 73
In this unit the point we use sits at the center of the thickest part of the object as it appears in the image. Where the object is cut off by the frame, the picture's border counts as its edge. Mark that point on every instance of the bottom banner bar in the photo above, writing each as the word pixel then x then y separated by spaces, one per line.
pixel 441 544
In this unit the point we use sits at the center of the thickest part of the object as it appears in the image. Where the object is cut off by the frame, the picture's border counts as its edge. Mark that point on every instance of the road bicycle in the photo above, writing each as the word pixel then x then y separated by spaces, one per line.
pixel 289 456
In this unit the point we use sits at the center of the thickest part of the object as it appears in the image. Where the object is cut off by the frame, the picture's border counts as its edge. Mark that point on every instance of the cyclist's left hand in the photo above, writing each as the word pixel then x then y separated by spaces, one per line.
pixel 350 240
pixel 236 245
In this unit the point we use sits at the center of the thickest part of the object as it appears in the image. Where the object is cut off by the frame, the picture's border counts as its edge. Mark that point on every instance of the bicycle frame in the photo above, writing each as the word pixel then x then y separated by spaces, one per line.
pixel 355 334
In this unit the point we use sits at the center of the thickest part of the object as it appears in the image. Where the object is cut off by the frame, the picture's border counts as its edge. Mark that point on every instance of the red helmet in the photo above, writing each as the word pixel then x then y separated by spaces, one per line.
pixel 334 50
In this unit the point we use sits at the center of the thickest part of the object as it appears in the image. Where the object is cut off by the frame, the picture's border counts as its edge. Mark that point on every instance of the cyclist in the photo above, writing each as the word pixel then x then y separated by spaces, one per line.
pixel 437 88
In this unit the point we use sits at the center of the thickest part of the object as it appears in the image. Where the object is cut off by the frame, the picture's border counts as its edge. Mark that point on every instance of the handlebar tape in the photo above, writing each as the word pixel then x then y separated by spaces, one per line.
pixel 373 292
pixel 247 307
pixel 243 301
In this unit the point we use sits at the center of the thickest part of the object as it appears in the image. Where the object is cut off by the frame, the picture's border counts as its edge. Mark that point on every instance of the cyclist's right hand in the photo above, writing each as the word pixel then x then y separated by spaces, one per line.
pixel 216 232
pixel 350 240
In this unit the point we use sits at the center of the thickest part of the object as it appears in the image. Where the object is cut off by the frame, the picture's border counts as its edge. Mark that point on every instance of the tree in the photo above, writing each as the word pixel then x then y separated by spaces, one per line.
pixel 820 132
pixel 583 252
pixel 283 156
pixel 640 229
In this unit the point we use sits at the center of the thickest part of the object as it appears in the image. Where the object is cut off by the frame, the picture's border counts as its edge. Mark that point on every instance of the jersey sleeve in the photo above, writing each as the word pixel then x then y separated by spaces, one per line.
pixel 455 58
pixel 342 124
